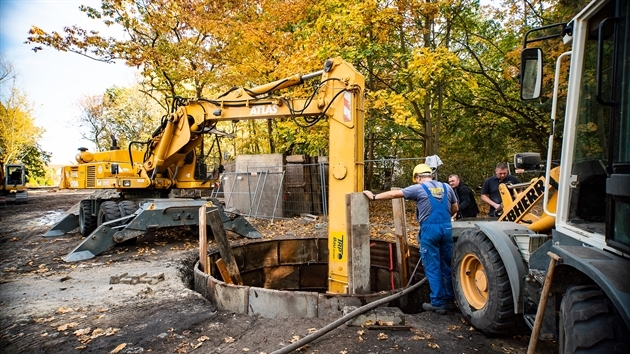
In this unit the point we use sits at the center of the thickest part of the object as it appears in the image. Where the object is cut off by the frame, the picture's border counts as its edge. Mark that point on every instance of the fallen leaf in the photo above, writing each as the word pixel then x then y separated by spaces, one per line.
pixel 312 330
pixel 202 339
pixel 118 348
pixel 452 327
pixel 97 333
pixel 294 339
pixel 382 336
pixel 360 332
pixel 65 326
pixel 64 310
pixel 245 349
pixel 228 340
pixel 82 332
pixel 111 331
pixel 433 345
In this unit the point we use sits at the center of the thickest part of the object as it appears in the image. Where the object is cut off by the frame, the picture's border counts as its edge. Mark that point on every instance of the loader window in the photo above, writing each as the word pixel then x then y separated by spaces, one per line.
pixel 619 198
pixel 592 128
pixel 600 199
pixel 15 176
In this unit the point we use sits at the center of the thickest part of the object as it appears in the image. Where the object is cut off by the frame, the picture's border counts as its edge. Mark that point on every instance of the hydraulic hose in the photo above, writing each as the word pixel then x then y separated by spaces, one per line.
pixel 311 337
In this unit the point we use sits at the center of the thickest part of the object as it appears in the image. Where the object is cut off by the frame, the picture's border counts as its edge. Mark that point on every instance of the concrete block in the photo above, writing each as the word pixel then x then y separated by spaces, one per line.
pixel 383 316
pixel 260 175
pixel 333 304
pixel 232 298
pixel 282 304
pixel 201 281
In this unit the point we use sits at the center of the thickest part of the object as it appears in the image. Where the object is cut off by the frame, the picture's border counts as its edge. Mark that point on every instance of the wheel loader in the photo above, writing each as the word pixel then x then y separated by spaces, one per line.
pixel 563 274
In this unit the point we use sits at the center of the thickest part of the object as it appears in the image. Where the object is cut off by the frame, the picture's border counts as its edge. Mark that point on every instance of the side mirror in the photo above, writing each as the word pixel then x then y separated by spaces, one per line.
pixel 531 73
pixel 527 161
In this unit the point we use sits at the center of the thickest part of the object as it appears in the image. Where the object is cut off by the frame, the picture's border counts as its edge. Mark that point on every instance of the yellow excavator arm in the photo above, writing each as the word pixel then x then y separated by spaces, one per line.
pixel 170 159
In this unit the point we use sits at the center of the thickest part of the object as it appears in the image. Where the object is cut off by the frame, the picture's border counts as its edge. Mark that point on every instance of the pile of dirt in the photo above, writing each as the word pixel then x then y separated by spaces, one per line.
pixel 49 306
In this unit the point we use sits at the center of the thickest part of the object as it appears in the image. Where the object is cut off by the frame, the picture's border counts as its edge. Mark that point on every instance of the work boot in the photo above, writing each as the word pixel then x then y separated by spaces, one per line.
pixel 437 309
pixel 450 306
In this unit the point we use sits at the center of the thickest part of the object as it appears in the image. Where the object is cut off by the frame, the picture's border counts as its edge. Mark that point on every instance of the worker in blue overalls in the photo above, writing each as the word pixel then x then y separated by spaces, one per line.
pixel 436 203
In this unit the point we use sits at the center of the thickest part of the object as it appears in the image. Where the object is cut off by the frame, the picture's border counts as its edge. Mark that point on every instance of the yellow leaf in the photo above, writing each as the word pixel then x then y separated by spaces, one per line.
pixel 118 348
pixel 83 331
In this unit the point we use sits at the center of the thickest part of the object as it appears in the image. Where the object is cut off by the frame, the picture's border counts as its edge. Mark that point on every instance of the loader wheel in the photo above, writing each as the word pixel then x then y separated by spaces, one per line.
pixel 589 323
pixel 481 285
pixel 87 221
pixel 127 207
pixel 109 211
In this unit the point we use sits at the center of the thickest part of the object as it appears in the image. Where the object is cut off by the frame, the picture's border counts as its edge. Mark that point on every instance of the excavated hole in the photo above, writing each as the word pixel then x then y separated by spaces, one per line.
pixel 294 266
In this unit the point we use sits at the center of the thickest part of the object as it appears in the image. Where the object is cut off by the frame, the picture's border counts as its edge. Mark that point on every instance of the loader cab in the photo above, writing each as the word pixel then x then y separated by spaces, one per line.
pixel 600 123
pixel 14 175
pixel 594 192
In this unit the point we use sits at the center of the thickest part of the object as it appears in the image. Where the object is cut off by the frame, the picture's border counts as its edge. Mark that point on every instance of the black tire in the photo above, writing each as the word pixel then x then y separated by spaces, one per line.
pixel 87 220
pixel 481 285
pixel 127 207
pixel 589 323
pixel 108 211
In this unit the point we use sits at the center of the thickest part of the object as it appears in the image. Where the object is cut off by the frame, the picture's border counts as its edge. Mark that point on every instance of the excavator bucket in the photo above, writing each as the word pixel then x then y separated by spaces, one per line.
pixel 151 215
pixel 67 224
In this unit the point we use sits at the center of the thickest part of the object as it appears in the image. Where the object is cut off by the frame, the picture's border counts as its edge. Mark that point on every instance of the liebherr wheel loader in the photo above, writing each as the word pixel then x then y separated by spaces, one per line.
pixel 566 273
pixel 144 178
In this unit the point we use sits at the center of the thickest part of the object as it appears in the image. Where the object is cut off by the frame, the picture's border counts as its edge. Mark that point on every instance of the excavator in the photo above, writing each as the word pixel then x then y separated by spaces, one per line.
pixel 142 180
pixel 13 183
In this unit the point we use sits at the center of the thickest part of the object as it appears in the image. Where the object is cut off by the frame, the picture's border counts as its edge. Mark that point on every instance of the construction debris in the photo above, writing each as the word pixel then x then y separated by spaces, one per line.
pixel 125 278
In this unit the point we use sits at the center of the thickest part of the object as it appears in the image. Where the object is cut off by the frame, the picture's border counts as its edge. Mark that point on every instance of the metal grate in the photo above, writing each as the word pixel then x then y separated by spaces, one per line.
pixel 91 177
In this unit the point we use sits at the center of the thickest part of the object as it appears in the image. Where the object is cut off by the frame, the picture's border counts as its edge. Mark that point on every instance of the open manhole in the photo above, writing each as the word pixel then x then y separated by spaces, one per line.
pixel 288 278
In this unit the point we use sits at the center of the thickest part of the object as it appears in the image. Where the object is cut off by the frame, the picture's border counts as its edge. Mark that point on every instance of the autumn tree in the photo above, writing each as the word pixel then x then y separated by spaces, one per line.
pixel 122 113
pixel 18 133
pixel 441 75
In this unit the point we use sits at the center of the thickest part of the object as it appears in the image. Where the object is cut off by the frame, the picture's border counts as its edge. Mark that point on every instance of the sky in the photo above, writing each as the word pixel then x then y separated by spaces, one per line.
pixel 53 81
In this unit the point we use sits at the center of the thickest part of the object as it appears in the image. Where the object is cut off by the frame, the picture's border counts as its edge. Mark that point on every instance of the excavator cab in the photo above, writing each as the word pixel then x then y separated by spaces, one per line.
pixel 14 183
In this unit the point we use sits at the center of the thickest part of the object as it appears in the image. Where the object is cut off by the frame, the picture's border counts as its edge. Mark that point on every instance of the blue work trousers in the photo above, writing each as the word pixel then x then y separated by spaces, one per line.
pixel 436 250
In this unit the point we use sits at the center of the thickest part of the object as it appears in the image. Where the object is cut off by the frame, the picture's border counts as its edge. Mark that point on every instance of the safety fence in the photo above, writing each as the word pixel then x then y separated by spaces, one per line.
pixel 300 189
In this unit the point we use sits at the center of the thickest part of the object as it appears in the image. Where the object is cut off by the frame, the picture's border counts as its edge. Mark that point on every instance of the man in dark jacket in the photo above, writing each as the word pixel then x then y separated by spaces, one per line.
pixel 466 199
pixel 490 189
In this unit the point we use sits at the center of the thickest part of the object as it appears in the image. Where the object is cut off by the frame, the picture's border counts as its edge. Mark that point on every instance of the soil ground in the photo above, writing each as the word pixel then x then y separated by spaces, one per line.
pixel 49 306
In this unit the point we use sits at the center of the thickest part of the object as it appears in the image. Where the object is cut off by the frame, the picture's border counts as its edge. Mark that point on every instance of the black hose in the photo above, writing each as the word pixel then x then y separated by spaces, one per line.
pixel 311 337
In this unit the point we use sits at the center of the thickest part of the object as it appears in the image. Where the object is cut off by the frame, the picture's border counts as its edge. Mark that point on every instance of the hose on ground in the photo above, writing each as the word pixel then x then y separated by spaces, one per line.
pixel 311 337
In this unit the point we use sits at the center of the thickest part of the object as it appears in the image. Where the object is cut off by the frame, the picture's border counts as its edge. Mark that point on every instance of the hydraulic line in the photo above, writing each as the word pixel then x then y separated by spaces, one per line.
pixel 311 337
